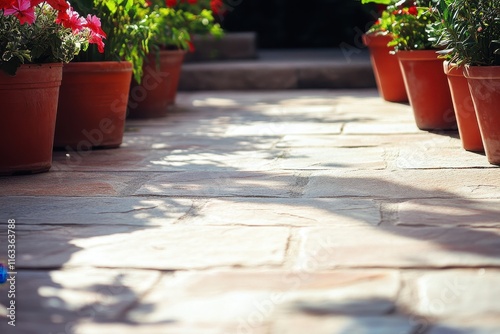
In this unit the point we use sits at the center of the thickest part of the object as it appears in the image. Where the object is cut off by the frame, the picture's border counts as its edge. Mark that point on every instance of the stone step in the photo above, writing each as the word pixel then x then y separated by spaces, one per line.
pixel 234 46
pixel 282 69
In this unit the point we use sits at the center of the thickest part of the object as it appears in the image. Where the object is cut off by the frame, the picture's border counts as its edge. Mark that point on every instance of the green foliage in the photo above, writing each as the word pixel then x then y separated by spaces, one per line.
pixel 128 34
pixel 173 26
pixel 468 31
pixel 410 28
pixel 44 41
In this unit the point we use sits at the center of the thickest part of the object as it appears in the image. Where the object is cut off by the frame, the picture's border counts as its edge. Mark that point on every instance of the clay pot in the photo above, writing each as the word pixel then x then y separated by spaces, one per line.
pixel 386 68
pixel 484 85
pixel 464 108
pixel 29 106
pixel 428 89
pixel 92 105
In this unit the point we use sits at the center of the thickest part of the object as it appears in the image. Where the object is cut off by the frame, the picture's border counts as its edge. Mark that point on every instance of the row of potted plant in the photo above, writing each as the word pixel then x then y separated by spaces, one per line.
pixel 70 72
pixel 443 56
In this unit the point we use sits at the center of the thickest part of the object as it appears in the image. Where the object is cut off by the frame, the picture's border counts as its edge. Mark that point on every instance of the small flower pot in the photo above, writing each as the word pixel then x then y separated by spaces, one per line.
pixel 428 89
pixel 484 85
pixel 386 68
pixel 92 105
pixel 29 106
pixel 158 89
pixel 465 113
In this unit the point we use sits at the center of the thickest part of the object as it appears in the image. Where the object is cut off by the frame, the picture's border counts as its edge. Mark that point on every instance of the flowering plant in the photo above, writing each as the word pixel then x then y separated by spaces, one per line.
pixel 40 31
pixel 177 20
pixel 411 26
pixel 408 22
pixel 128 34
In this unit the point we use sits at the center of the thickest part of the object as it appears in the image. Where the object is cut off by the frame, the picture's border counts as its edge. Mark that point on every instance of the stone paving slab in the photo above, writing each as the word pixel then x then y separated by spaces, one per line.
pixel 343 324
pixel 332 158
pixel 458 293
pixel 398 247
pixel 252 297
pixel 400 184
pixel 72 184
pixel 450 212
pixel 165 248
pixel 224 184
pixel 108 211
pixel 64 295
pixel 286 212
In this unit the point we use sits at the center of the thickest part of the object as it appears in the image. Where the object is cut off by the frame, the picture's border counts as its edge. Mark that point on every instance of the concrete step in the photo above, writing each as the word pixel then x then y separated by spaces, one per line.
pixel 282 69
pixel 232 45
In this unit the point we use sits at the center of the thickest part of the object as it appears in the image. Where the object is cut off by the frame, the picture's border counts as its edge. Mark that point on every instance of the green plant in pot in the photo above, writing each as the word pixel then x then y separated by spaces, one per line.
pixel 444 34
pixel 36 38
pixel 385 64
pixel 95 86
pixel 472 39
pixel 425 81
pixel 173 25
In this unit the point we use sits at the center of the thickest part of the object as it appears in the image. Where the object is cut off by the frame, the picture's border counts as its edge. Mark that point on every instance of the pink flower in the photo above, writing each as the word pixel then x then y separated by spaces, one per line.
pixel 94 24
pixel 97 39
pixel 22 10
pixel 71 19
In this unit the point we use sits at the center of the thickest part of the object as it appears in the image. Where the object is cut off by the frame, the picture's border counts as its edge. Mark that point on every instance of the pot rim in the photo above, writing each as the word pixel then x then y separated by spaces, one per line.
pixel 98 66
pixel 418 55
pixel 451 70
pixel 376 40
pixel 481 72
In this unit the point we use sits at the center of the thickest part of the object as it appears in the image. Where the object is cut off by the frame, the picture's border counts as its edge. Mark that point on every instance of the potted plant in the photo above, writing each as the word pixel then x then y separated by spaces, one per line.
pixel 385 63
pixel 173 24
pixel 425 81
pixel 444 34
pixel 96 84
pixel 35 39
pixel 477 28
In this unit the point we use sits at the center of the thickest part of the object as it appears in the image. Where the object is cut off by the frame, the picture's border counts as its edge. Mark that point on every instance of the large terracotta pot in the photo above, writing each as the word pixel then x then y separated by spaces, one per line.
pixel 92 105
pixel 428 90
pixel 484 85
pixel 464 108
pixel 152 97
pixel 386 68
pixel 29 106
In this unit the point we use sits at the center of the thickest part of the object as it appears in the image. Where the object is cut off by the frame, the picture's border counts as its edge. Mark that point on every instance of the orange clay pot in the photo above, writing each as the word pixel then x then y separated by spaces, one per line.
pixel 484 85
pixel 386 68
pixel 464 108
pixel 29 106
pixel 152 97
pixel 428 89
pixel 92 105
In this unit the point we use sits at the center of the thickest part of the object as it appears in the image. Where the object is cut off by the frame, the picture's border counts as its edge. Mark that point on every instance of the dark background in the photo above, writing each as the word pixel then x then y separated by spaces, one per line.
pixel 299 23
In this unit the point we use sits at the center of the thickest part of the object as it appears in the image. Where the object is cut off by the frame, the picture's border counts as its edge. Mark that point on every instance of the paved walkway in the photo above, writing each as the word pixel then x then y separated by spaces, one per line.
pixel 266 213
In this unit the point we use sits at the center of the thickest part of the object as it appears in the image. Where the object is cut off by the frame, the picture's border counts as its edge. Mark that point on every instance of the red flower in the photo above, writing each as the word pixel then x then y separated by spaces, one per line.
pixel 191 46
pixel 413 11
pixel 71 19
pixel 171 3
pixel 6 4
pixel 22 10
pixel 216 6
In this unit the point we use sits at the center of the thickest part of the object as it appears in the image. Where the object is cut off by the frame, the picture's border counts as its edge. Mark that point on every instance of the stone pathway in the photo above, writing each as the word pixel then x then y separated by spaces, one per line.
pixel 260 213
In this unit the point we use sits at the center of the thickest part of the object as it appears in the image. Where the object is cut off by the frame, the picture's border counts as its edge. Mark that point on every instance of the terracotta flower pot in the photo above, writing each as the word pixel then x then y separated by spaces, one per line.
pixel 386 68
pixel 92 105
pixel 428 89
pixel 484 85
pixel 158 89
pixel 29 106
pixel 153 96
pixel 464 108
